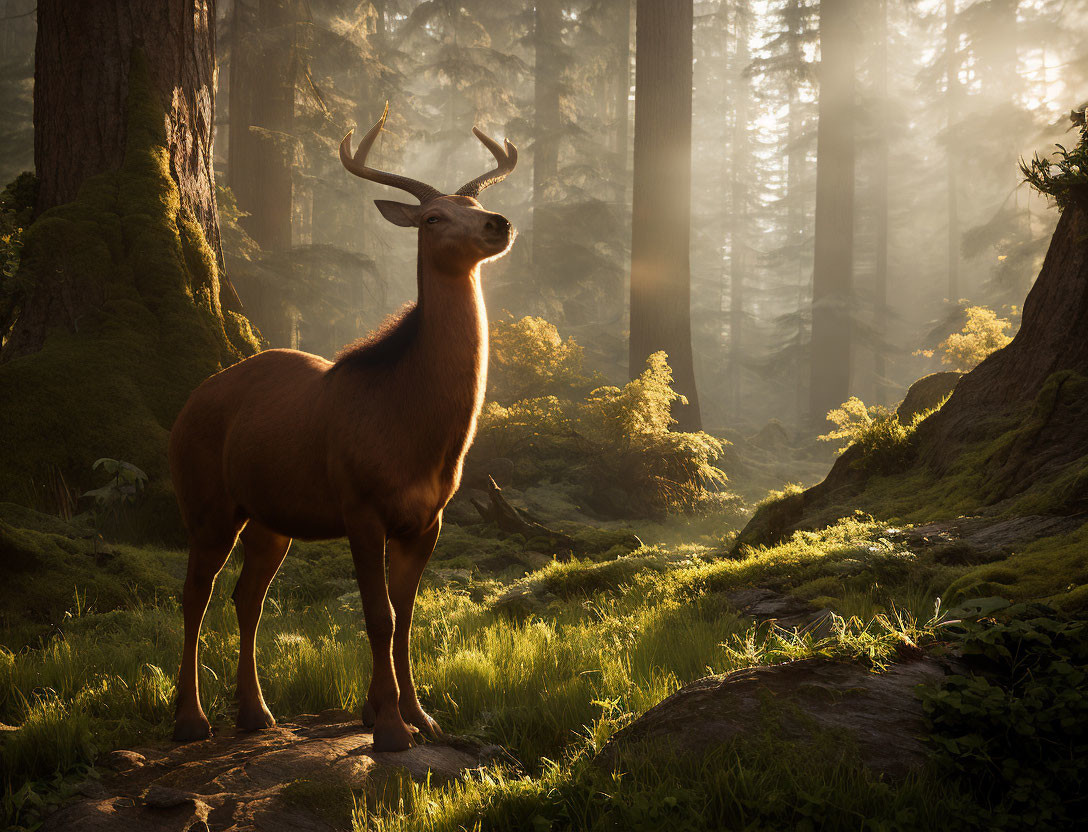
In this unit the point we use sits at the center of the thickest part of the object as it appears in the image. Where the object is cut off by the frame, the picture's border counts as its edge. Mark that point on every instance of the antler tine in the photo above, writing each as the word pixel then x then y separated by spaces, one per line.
pixel 357 164
pixel 507 159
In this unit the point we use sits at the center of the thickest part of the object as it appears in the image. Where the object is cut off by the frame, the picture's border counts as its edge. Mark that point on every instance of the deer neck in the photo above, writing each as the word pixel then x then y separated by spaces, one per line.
pixel 452 340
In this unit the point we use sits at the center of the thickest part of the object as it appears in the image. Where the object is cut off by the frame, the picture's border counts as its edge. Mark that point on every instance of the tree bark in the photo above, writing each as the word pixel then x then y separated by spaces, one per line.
pixel 832 279
pixel 952 163
pixel 880 209
pixel 738 187
pixel 661 213
pixel 82 62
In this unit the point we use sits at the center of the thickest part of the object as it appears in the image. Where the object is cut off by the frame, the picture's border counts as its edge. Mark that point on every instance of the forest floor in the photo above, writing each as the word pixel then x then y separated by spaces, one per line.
pixel 545 656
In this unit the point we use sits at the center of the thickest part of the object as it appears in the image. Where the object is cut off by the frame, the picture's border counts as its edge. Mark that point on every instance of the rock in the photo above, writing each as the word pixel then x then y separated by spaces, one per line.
pixel 977 540
pixel 925 394
pixel 878 714
pixel 771 523
pixel 123 760
pixel 771 437
pixel 768 605
pixel 243 781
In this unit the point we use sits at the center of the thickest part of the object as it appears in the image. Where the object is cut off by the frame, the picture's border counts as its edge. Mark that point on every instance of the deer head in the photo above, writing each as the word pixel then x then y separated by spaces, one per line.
pixel 454 229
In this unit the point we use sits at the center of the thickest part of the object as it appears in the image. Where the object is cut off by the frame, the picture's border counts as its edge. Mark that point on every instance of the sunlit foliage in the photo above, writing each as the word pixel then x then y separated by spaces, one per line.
pixel 982 334
pixel 614 443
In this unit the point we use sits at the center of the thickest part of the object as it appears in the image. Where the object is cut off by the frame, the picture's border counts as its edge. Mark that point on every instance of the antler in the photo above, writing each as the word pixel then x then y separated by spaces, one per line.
pixel 507 160
pixel 357 164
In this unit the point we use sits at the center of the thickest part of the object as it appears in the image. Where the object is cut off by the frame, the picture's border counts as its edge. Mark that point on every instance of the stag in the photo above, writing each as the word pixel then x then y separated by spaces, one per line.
pixel 289 445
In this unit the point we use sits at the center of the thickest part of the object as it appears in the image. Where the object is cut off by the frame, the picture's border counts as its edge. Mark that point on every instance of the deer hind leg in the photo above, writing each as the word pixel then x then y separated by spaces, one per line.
pixel 264 552
pixel 367 538
pixel 206 558
pixel 407 560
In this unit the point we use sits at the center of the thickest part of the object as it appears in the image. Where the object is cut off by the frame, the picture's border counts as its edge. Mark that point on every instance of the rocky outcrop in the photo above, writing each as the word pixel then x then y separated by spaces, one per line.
pixel 877 715
pixel 925 394
pixel 1013 433
pixel 296 777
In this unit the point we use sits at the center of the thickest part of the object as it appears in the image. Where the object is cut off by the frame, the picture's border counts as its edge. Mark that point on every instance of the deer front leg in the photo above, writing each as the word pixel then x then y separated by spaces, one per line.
pixel 367 538
pixel 407 559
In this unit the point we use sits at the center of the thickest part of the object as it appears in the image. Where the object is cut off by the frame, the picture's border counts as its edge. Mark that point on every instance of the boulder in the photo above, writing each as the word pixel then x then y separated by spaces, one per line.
pixel 296 776
pixel 925 394
pixel 771 437
pixel 876 713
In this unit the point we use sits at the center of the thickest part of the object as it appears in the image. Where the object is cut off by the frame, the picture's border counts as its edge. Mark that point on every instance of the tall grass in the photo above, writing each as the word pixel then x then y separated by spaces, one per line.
pixel 550 682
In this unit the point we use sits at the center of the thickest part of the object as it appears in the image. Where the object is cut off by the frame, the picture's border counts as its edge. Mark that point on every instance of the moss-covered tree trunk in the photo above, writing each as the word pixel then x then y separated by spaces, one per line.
pixel 661 212
pixel 117 298
pixel 81 84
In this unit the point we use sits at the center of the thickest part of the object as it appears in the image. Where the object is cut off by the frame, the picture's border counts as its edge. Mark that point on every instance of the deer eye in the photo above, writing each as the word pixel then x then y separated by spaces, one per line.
pixel 432 220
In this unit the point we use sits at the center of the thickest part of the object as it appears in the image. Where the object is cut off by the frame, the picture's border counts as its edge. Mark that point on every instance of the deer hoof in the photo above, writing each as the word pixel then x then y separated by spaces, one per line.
pixel 392 737
pixel 421 721
pixel 255 718
pixel 369 715
pixel 192 728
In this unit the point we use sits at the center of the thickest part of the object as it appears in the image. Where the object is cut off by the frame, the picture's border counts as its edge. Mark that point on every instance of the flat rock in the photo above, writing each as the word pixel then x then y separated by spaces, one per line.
pixel 236 781
pixel 878 714
pixel 925 394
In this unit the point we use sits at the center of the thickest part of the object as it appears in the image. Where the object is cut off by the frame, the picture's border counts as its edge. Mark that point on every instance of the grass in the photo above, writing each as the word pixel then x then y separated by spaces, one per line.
pixel 548 665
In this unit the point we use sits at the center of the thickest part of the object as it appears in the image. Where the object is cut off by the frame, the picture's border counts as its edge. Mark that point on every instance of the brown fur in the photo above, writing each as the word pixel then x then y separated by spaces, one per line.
pixel 287 444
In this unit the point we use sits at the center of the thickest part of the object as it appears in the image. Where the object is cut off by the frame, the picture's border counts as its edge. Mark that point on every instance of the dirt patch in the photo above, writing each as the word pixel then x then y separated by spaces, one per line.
pixel 302 775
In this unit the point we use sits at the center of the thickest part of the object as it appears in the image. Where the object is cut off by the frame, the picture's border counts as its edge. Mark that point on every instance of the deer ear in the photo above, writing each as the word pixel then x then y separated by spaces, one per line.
pixel 399 213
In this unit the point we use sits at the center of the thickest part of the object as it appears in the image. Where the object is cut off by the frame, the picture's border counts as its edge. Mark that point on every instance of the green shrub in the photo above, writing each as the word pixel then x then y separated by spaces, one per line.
pixel 1016 731
pixel 529 359
pixel 1064 177
pixel 983 333
pixel 884 442
pixel 615 442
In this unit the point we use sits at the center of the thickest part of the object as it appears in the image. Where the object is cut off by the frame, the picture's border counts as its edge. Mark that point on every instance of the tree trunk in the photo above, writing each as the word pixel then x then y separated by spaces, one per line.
pixel 623 95
pixel 547 45
pixel 796 160
pixel 952 106
pixel 264 64
pixel 738 235
pixel 81 84
pixel 832 279
pixel 83 59
pixel 880 209
pixel 661 214
pixel 118 312
pixel 262 112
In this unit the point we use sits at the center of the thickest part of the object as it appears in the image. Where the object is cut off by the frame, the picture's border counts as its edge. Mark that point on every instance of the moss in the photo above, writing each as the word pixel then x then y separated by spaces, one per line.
pixel 113 387
pixel 1054 569
pixel 52 567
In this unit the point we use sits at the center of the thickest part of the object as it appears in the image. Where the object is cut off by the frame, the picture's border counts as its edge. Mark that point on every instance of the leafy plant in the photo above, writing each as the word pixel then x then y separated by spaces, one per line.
pixel 122 490
pixel 615 442
pixel 983 333
pixel 1063 177
pixel 884 441
pixel 1016 730
pixel 530 359
pixel 16 203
